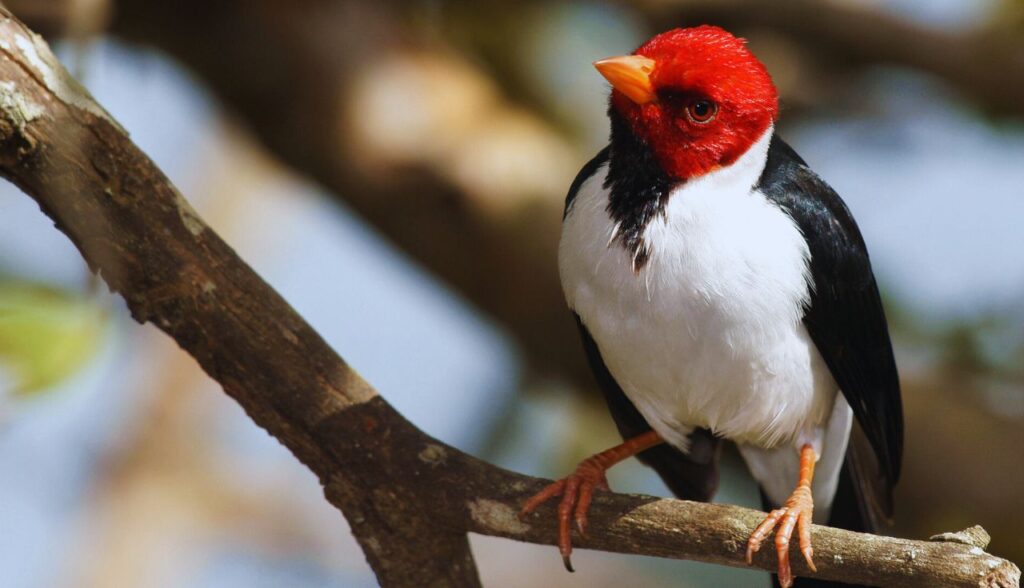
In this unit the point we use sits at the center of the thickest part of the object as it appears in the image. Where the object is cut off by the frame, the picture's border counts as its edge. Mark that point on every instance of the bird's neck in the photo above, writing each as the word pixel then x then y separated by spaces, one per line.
pixel 638 188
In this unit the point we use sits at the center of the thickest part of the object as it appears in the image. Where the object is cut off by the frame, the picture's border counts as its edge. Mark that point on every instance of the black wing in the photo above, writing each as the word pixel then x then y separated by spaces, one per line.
pixel 692 476
pixel 845 319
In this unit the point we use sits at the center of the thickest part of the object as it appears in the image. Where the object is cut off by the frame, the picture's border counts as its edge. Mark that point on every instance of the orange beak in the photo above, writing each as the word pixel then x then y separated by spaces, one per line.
pixel 631 75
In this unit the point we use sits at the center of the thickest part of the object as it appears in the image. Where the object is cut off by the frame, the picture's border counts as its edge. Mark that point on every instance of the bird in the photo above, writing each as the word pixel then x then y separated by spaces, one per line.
pixel 723 292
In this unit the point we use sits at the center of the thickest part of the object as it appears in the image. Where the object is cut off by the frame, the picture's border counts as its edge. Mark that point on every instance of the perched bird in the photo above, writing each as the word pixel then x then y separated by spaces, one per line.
pixel 723 291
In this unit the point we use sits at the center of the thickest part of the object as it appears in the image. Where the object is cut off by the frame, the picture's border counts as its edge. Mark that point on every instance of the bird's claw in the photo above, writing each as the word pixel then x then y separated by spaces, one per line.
pixel 797 513
pixel 577 492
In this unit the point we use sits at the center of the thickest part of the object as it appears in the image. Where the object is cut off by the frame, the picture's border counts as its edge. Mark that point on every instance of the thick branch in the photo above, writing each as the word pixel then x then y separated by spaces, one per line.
pixel 134 228
pixel 409 498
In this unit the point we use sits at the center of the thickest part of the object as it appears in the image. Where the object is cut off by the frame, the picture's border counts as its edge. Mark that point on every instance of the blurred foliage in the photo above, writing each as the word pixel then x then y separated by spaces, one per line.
pixel 46 334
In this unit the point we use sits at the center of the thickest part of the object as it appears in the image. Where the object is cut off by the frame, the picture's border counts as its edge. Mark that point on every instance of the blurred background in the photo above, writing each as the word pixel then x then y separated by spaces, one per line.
pixel 396 170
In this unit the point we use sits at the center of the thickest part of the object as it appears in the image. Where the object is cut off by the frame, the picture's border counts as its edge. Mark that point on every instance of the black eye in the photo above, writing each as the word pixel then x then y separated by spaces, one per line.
pixel 701 111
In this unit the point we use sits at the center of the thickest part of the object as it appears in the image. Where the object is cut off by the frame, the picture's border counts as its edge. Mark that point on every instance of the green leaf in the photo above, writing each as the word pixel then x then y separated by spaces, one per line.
pixel 46 334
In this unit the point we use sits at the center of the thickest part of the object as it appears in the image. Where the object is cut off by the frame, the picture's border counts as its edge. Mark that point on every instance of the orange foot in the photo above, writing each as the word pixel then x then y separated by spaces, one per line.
pixel 577 489
pixel 797 513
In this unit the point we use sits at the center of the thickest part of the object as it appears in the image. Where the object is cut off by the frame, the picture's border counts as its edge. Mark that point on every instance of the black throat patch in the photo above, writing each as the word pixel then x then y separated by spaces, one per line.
pixel 639 189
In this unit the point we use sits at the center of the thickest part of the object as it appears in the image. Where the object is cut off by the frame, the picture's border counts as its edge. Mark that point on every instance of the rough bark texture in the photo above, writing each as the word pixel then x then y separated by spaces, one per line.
pixel 409 499
pixel 135 229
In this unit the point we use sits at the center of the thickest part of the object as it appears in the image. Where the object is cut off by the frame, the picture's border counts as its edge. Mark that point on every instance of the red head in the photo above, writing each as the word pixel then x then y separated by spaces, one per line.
pixel 698 97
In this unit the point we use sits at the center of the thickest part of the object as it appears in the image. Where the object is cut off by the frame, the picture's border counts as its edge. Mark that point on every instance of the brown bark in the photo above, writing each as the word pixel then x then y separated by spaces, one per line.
pixel 409 499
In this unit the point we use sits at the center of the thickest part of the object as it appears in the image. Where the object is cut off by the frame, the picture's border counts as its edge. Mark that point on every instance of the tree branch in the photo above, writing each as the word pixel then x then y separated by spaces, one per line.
pixel 410 499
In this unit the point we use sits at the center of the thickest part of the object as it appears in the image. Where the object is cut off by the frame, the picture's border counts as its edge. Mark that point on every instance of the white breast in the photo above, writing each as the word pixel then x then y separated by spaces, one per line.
pixel 708 333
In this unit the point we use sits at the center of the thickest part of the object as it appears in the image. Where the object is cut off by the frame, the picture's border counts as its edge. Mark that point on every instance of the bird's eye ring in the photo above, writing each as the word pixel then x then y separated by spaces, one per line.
pixel 701 111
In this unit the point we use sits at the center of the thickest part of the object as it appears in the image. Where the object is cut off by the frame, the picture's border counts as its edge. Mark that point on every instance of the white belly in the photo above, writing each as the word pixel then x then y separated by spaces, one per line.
pixel 708 333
